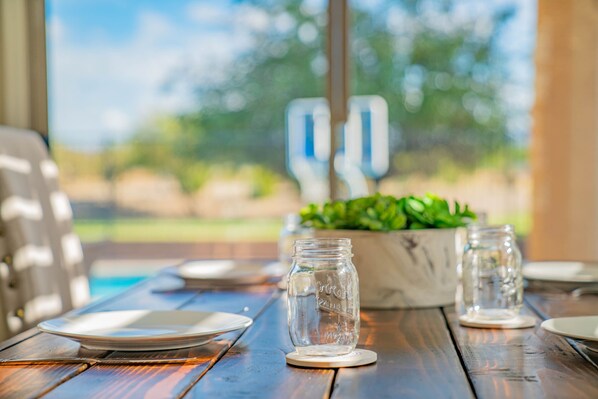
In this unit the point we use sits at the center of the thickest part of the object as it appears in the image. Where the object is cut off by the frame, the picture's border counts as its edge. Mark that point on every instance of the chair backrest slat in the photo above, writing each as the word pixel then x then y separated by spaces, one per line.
pixel 42 274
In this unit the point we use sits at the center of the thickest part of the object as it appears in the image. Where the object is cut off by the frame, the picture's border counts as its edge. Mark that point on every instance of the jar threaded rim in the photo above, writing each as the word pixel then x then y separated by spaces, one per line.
pixel 325 248
pixel 482 232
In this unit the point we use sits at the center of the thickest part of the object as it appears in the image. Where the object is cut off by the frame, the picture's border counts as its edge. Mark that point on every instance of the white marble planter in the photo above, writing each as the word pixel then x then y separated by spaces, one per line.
pixel 403 269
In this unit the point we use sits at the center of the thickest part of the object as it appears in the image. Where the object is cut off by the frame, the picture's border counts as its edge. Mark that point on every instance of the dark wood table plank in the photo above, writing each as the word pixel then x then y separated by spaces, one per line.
pixel 14 380
pixel 45 346
pixel 562 304
pixel 167 380
pixel 250 302
pixel 255 366
pixel 522 363
pixel 18 338
pixel 136 296
pixel 39 379
pixel 416 358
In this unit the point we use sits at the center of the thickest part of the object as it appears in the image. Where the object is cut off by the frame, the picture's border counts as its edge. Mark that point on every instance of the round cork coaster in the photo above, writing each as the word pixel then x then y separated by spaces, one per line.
pixel 359 357
pixel 520 321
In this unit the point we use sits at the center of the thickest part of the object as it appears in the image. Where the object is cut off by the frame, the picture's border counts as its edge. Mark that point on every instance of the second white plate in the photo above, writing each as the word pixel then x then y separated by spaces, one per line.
pixel 581 328
pixel 223 272
pixel 567 272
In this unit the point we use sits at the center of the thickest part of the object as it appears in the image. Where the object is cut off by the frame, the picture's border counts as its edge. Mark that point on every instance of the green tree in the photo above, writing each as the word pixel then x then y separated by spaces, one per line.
pixel 439 70
pixel 441 74
pixel 168 145
pixel 243 116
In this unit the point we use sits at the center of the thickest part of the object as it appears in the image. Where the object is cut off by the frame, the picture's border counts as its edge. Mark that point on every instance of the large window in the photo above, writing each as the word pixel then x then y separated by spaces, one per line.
pixel 167 114
pixel 168 118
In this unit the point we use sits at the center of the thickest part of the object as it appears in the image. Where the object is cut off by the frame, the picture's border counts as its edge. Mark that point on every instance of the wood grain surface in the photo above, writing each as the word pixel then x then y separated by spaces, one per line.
pixel 416 358
pixel 166 380
pixel 522 363
pixel 255 367
pixel 562 304
pixel 18 338
pixel 20 382
pixel 422 353
pixel 40 345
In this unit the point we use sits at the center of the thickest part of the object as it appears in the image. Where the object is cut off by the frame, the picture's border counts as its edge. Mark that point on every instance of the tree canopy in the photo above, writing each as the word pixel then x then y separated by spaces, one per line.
pixel 437 64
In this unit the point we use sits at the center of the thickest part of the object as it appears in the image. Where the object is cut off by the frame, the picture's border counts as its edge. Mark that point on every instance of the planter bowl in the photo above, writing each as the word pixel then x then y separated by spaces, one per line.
pixel 403 269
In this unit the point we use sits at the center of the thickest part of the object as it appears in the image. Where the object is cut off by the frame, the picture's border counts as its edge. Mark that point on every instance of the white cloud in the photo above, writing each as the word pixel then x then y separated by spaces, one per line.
pixel 219 14
pixel 314 7
pixel 154 26
pixel 115 120
pixel 253 18
pixel 103 88
pixel 55 29
pixel 207 13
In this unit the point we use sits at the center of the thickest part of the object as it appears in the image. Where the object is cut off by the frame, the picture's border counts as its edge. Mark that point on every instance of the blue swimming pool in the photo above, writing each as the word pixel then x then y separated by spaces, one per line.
pixel 111 285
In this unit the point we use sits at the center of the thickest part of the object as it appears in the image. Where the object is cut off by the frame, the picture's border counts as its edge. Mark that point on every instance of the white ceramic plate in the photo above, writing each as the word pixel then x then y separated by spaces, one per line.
pixel 582 328
pixel 223 272
pixel 142 330
pixel 569 272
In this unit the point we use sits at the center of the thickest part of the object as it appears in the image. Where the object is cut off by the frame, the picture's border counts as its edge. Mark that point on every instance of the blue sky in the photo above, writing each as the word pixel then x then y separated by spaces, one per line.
pixel 114 20
pixel 109 60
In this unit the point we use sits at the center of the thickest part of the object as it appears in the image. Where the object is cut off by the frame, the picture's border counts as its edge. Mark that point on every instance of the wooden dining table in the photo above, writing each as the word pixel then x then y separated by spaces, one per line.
pixel 422 353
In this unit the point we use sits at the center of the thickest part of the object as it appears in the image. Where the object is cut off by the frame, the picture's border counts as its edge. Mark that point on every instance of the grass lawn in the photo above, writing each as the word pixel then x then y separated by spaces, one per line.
pixel 201 230
pixel 178 230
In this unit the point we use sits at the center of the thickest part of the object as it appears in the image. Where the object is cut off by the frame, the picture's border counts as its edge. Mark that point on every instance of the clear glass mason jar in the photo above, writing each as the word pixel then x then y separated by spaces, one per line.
pixel 323 297
pixel 492 275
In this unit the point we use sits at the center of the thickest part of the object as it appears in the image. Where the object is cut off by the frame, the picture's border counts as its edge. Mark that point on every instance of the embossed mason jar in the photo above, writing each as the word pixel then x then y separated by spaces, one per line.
pixel 323 297
pixel 492 275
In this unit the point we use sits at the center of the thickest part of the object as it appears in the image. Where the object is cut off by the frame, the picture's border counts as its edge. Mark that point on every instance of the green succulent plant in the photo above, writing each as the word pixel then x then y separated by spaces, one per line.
pixel 387 213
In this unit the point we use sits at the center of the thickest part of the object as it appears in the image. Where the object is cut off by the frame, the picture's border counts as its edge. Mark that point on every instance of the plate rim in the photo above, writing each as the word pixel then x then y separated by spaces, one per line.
pixel 142 346
pixel 248 279
pixel 78 336
pixel 546 326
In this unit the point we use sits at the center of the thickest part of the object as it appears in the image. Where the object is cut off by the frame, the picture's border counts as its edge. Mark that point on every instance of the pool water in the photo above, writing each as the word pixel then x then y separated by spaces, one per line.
pixel 111 285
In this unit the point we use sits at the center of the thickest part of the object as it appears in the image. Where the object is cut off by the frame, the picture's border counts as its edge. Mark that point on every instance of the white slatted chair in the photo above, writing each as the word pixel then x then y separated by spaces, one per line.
pixel 41 260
